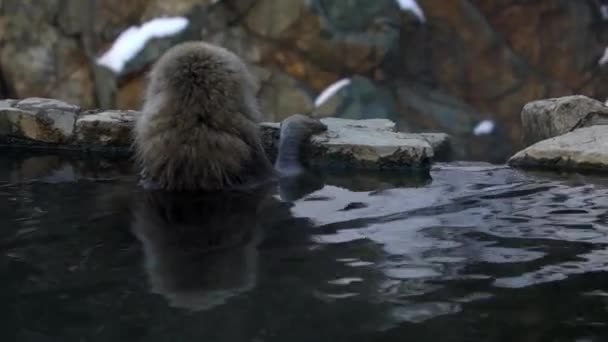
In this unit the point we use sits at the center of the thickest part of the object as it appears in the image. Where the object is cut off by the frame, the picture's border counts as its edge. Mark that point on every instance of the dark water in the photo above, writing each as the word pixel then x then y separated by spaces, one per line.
pixel 476 253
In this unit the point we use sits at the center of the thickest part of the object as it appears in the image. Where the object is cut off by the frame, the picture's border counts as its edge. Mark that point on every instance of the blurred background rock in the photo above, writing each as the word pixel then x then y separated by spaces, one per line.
pixel 447 68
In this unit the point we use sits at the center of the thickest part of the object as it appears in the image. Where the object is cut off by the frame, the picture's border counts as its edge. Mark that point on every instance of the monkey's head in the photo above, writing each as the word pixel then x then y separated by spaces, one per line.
pixel 207 77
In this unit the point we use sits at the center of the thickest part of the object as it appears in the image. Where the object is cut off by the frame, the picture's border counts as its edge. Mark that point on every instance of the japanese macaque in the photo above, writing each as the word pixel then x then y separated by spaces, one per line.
pixel 196 142
pixel 199 125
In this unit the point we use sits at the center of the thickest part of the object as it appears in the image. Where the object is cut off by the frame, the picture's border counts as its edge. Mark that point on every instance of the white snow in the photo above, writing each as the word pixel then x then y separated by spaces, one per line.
pixel 485 127
pixel 131 41
pixel 331 91
pixel 412 6
pixel 604 59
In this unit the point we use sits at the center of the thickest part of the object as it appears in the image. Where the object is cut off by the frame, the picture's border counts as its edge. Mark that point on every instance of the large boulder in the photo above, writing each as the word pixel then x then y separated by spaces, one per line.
pixel 582 149
pixel 548 118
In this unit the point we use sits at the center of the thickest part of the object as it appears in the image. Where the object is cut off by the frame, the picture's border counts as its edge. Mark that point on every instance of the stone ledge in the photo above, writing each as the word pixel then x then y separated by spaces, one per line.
pixel 584 149
pixel 366 144
pixel 37 123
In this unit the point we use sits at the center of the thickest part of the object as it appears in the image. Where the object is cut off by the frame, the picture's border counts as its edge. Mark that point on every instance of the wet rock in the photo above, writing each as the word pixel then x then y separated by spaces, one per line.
pixel 548 118
pixel 43 120
pixel 347 144
pixel 365 144
pixel 107 128
pixel 582 149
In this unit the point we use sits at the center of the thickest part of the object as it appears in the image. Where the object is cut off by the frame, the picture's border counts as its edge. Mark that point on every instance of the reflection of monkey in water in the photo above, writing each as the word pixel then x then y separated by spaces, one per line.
pixel 198 129
pixel 201 249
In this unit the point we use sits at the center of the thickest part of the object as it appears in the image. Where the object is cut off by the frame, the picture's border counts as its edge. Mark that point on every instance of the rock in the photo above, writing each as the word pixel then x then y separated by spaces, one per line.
pixel 42 120
pixel 593 119
pixel 38 60
pixel 107 128
pixel 549 118
pixel 583 149
pixel 567 27
pixel 39 104
pixel 357 146
pixel 380 125
pixel 281 94
pixel 284 13
pixel 7 103
pixel 365 144
pixel 440 142
pixel 360 144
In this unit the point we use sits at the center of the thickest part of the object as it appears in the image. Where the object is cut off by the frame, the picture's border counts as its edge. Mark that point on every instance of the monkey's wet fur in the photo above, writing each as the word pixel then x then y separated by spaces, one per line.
pixel 199 131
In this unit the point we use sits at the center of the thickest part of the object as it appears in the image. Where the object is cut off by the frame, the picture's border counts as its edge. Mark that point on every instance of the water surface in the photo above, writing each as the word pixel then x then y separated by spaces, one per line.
pixel 474 253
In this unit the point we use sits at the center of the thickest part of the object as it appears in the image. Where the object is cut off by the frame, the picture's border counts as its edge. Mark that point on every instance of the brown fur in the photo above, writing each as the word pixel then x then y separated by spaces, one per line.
pixel 198 129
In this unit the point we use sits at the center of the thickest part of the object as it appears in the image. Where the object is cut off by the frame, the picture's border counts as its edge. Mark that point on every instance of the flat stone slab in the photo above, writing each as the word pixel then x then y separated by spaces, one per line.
pixel 548 118
pixel 366 144
pixel 584 149
pixel 107 128
pixel 369 144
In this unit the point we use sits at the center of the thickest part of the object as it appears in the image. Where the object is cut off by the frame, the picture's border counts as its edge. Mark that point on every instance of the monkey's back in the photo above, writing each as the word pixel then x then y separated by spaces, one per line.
pixel 198 129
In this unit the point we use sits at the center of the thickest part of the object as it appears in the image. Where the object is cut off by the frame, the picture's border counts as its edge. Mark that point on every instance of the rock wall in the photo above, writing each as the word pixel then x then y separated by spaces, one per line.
pixel 467 61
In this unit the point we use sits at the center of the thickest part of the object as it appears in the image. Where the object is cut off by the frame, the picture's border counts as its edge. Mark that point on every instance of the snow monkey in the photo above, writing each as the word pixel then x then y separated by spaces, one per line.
pixel 199 125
